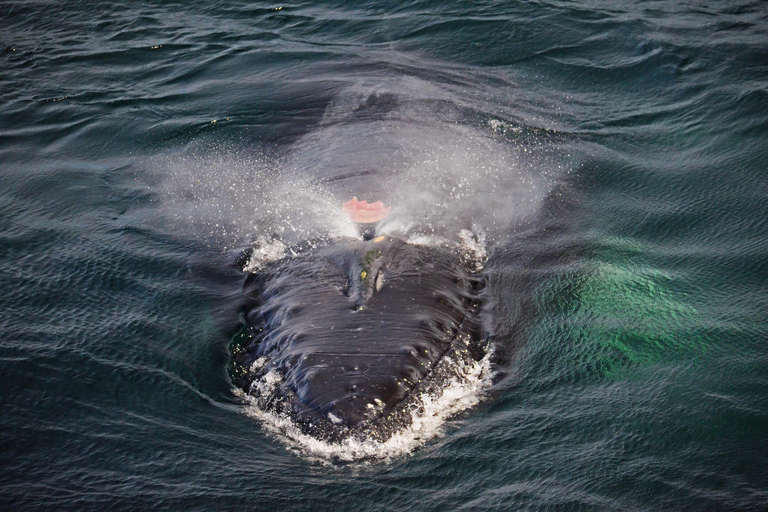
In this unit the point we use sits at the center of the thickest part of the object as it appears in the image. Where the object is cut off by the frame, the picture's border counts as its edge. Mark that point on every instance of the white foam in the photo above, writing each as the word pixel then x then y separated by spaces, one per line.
pixel 471 246
pixel 422 240
pixel 472 249
pixel 264 252
pixel 258 364
pixel 427 421
pixel 502 127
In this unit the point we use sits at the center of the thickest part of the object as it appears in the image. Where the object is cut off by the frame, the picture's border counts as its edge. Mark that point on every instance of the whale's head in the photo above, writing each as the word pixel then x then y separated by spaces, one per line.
pixel 342 341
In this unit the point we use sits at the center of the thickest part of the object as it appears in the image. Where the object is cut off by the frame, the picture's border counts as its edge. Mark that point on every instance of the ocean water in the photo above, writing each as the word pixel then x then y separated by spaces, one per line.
pixel 612 154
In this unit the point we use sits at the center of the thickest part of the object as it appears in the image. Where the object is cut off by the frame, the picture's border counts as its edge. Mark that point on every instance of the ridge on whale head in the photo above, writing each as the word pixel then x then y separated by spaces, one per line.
pixel 347 339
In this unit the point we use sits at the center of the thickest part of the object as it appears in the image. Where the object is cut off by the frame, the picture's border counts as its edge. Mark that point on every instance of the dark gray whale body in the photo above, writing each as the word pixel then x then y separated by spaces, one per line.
pixel 346 339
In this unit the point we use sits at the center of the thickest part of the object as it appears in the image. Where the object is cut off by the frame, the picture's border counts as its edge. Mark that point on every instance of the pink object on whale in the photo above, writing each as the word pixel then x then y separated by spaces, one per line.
pixel 364 212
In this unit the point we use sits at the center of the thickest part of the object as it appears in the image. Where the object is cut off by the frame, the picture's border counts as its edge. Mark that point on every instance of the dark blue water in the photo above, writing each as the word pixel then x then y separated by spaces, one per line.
pixel 613 154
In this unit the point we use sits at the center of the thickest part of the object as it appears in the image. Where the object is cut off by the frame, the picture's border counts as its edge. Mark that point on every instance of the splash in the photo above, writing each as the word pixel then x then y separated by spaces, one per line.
pixel 441 166
pixel 233 198
pixel 265 251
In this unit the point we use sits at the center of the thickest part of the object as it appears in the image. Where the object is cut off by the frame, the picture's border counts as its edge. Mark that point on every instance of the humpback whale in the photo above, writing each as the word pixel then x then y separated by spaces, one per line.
pixel 348 339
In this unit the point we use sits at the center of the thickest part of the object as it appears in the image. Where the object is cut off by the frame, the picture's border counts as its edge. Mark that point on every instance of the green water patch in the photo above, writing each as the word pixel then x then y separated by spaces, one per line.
pixel 601 318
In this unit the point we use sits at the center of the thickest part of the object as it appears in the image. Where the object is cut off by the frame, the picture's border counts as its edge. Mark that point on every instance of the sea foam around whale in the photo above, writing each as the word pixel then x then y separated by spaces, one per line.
pixel 429 419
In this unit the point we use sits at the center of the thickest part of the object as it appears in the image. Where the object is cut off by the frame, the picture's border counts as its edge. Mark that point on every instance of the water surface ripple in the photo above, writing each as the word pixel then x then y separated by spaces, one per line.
pixel 613 155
